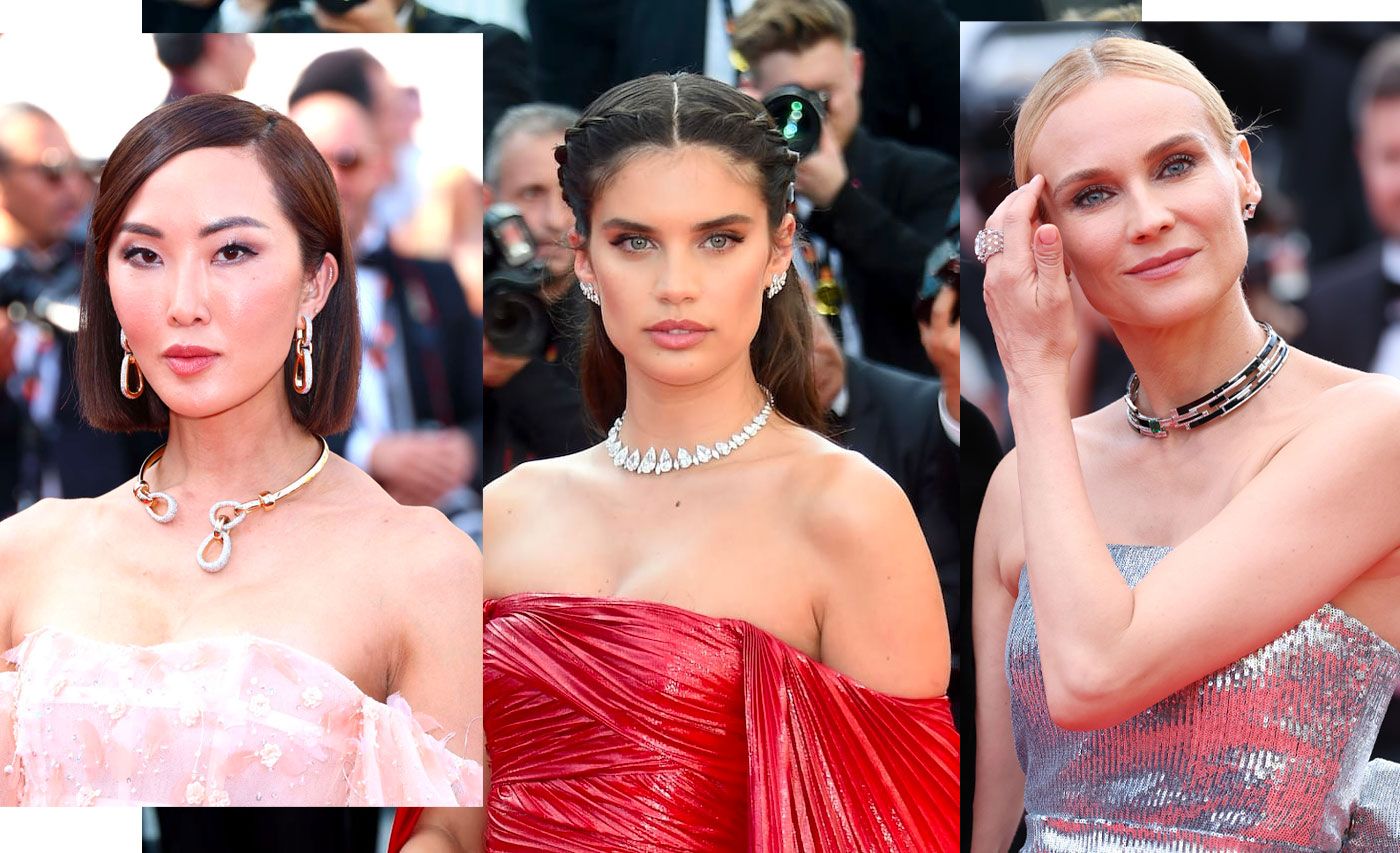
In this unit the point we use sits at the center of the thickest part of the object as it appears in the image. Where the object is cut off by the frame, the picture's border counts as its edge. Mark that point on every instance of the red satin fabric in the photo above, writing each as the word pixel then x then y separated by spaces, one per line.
pixel 404 822
pixel 618 725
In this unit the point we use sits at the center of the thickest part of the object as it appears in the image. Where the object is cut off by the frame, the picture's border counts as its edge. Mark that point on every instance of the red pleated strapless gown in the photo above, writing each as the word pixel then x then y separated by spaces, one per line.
pixel 621 725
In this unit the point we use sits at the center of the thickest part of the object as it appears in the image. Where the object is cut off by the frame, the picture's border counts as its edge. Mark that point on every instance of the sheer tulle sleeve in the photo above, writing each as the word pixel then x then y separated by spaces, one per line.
pixel 11 777
pixel 836 766
pixel 1375 822
pixel 400 762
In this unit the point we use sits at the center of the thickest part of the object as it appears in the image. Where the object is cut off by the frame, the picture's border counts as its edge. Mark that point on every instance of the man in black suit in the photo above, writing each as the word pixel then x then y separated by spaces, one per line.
pixel 877 207
pixel 46 449
pixel 417 427
pixel 1353 308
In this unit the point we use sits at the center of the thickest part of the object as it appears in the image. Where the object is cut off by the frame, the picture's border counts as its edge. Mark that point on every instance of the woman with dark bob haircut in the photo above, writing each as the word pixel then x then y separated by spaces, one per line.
pixel 151 660
pixel 716 630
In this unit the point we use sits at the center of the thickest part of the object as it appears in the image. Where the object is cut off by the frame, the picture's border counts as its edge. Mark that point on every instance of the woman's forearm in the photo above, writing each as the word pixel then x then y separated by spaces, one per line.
pixel 1082 604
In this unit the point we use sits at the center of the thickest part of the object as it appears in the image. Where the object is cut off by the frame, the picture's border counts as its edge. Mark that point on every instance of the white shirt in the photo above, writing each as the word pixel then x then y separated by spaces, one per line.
pixel 1387 359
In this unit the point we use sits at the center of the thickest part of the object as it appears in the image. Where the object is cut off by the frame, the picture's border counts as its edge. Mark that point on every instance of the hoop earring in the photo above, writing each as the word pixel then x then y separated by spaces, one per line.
pixel 779 279
pixel 302 374
pixel 128 367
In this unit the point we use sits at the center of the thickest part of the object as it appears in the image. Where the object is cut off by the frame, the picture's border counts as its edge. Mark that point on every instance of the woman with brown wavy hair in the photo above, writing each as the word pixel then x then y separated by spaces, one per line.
pixel 716 630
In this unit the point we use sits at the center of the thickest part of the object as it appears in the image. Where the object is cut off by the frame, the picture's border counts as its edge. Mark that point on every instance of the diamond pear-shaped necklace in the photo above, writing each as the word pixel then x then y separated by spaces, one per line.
pixel 635 461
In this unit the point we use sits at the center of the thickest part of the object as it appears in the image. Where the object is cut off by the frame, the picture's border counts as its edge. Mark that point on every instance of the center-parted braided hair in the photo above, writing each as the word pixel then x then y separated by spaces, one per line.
pixel 668 111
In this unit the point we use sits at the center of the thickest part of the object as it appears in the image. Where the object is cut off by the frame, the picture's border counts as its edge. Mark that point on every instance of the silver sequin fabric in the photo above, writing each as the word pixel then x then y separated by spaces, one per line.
pixel 1268 754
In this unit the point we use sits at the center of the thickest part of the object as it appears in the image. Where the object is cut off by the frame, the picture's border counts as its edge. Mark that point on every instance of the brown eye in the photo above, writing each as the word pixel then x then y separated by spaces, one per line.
pixel 234 252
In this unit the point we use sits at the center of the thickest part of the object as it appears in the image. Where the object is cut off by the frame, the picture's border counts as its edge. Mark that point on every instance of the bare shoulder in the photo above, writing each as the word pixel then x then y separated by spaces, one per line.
pixel 409 547
pixel 28 544
pixel 1360 413
pixel 847 502
pixel 522 488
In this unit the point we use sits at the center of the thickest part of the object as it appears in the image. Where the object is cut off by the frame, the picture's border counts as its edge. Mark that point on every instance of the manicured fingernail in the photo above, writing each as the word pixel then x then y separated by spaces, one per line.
pixel 1045 236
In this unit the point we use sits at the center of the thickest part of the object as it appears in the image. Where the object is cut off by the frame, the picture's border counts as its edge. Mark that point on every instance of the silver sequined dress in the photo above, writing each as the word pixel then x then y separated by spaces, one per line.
pixel 1268 754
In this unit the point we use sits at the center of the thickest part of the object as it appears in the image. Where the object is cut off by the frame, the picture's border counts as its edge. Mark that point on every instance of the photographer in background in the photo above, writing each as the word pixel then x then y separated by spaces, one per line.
pixel 49 451
pixel 533 310
pixel 873 207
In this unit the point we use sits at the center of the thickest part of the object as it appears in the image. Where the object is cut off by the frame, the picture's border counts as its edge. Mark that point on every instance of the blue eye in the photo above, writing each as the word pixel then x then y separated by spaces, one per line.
pixel 1090 197
pixel 721 242
pixel 632 243
pixel 1178 165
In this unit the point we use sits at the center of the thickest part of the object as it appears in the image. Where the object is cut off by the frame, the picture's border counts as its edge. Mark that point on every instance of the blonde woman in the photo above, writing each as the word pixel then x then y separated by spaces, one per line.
pixel 1184 603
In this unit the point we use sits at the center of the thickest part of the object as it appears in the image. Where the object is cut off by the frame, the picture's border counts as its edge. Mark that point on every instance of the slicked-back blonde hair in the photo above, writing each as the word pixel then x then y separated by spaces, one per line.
pixel 1106 57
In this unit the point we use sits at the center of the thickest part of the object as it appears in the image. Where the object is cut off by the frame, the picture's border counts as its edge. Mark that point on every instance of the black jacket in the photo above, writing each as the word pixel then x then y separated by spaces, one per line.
pixel 538 414
pixel 885 222
pixel 442 344
pixel 1345 309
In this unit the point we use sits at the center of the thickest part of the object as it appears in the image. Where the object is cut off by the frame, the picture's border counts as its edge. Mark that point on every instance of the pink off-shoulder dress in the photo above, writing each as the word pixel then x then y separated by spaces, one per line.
pixel 236 720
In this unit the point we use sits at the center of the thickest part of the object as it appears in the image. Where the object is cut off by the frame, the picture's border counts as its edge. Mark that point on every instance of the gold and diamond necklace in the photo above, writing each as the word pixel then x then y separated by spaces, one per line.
pixel 633 460
pixel 223 522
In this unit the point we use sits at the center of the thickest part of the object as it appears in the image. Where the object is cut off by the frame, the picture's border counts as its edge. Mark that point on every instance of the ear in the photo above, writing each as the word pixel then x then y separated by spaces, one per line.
pixel 583 265
pixel 858 66
pixel 783 243
pixel 1243 161
pixel 317 288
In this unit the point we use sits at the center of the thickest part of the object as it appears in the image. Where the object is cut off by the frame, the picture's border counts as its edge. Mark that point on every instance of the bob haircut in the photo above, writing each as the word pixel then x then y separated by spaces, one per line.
pixel 307 196
pixel 665 112
pixel 1106 57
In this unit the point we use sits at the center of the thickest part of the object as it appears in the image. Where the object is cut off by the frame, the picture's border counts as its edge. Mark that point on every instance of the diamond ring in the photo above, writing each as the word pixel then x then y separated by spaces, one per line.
pixel 989 242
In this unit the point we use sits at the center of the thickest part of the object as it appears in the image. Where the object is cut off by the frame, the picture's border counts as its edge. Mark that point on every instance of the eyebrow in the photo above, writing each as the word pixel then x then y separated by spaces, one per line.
pixel 212 228
pixel 731 219
pixel 1153 153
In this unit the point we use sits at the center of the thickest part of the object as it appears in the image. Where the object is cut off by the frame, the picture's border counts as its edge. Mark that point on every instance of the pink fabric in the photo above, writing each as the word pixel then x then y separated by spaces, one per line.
pixel 223 721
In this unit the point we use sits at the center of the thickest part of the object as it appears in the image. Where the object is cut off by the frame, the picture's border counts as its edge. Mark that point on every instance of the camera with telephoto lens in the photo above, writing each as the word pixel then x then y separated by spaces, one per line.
pixel 339 7
pixel 47 300
pixel 799 114
pixel 516 315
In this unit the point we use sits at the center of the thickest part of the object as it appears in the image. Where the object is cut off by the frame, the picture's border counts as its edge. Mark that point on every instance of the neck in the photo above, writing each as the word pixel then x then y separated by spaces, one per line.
pixel 1178 364
pixel 237 454
pixel 670 416
pixel 201 79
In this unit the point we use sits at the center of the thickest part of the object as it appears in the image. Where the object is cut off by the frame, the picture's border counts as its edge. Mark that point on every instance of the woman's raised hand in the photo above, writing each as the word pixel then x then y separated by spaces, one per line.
pixel 1027 291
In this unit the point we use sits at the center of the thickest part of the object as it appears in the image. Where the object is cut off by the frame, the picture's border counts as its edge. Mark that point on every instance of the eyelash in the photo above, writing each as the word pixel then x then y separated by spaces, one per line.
pixel 622 239
pixel 1079 198
pixel 136 251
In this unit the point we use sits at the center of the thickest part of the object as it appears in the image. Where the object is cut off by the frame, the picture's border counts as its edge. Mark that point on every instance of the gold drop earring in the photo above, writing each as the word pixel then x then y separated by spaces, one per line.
pixel 128 367
pixel 302 372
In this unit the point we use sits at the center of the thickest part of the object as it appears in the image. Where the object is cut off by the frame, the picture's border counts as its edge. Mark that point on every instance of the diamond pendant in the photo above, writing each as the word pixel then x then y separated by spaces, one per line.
pixel 222 527
pixel 170 507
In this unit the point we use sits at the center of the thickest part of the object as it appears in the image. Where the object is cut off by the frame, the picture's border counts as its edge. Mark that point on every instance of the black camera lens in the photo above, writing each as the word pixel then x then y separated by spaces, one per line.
pixel 516 319
pixel 799 114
